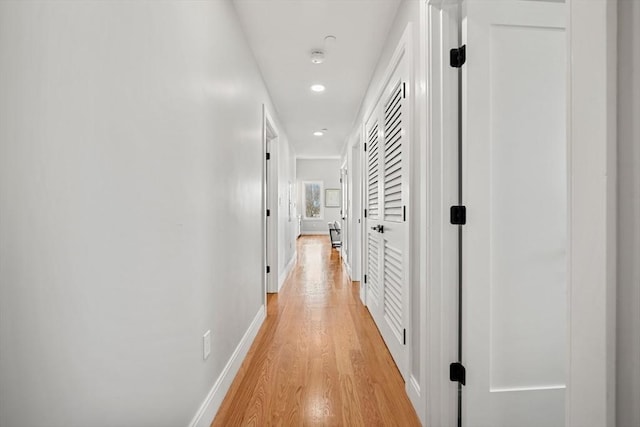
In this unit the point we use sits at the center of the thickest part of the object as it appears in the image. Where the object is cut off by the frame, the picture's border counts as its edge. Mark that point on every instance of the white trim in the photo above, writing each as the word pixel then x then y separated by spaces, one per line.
pixel 284 274
pixel 207 411
pixel 347 267
pixel 439 304
pixel 542 387
pixel 314 233
pixel 361 140
pixel 591 287
pixel 413 391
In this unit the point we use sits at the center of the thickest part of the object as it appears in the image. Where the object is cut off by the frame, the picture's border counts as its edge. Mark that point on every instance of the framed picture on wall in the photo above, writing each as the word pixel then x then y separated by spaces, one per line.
pixel 332 198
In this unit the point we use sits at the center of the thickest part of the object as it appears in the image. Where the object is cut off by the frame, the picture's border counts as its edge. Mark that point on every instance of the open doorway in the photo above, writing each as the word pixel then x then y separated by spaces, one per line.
pixel 355 210
pixel 270 204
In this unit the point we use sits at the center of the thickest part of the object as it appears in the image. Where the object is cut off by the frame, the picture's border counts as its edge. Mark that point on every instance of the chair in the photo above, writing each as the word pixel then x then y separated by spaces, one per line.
pixel 334 233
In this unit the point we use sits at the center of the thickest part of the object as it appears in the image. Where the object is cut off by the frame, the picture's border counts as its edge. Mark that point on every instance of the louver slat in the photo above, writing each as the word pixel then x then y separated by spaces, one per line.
pixel 373 279
pixel 373 172
pixel 392 156
pixel 393 288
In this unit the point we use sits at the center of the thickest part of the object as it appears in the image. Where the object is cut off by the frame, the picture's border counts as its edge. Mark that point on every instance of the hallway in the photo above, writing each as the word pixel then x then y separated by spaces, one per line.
pixel 160 161
pixel 318 358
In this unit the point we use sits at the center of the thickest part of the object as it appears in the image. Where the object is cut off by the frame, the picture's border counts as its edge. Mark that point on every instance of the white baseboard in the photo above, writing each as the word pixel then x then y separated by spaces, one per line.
pixel 287 270
pixel 413 390
pixel 347 267
pixel 211 404
pixel 315 233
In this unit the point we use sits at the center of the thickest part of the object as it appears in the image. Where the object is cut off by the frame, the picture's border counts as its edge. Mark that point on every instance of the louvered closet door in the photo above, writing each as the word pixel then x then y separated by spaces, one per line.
pixel 387 189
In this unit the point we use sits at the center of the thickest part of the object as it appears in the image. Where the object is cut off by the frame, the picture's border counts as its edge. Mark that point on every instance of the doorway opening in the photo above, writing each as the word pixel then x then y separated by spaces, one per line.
pixel 270 205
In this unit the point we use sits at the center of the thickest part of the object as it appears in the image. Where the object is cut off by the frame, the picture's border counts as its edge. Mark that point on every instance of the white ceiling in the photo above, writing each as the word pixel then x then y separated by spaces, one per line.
pixel 282 34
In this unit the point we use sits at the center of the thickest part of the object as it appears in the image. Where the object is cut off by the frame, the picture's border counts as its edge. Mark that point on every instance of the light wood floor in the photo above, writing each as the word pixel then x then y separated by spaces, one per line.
pixel 319 358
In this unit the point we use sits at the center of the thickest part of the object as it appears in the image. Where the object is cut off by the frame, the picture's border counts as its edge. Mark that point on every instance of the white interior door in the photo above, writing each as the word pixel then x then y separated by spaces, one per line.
pixel 514 177
pixel 345 233
pixel 387 132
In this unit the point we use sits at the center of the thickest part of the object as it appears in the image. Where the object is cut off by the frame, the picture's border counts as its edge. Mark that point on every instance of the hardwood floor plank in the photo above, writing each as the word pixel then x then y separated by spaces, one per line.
pixel 319 358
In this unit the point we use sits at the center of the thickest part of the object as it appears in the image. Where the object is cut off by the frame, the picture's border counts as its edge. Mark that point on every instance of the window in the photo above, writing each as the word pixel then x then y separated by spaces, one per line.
pixel 312 193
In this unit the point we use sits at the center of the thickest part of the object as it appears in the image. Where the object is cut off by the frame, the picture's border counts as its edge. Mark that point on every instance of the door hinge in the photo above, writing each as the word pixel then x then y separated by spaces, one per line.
pixel 268 269
pixel 365 213
pixel 457 57
pixel 404 213
pixel 457 373
pixel 458 215
pixel 268 156
pixel 404 90
pixel 365 146
pixel 365 278
pixel 268 212
pixel 404 337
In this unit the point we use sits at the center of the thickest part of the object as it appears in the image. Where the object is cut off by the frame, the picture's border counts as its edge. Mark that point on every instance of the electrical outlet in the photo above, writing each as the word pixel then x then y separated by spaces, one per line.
pixel 206 344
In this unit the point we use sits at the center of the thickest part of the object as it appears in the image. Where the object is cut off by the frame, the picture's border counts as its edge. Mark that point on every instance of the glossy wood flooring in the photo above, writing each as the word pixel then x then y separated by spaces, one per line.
pixel 319 358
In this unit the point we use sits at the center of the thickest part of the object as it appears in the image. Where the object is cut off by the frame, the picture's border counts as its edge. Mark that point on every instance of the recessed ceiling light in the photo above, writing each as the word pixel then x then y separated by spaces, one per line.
pixel 318 88
pixel 318 133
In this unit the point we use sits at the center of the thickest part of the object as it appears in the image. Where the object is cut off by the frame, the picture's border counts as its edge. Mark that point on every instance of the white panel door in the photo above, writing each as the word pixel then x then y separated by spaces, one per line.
pixel 514 179
pixel 387 162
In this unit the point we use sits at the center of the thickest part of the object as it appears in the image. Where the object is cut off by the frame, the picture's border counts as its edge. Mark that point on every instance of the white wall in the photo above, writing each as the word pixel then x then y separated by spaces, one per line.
pixel 628 313
pixel 130 208
pixel 408 12
pixel 327 171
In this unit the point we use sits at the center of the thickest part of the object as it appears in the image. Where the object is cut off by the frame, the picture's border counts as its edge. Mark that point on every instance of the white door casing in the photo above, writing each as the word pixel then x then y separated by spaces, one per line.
pixel 514 177
pixel 386 191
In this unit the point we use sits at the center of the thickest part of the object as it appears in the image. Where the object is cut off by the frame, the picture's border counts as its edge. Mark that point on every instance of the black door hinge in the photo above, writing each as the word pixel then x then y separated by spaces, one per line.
pixel 457 373
pixel 268 269
pixel 404 213
pixel 268 156
pixel 268 212
pixel 458 215
pixel 404 90
pixel 365 213
pixel 365 278
pixel 404 337
pixel 365 146
pixel 457 57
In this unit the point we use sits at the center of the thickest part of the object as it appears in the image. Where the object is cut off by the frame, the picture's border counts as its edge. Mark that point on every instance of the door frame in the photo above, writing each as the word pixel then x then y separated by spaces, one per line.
pixel 269 201
pixel 355 201
pixel 591 141
pixel 440 302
